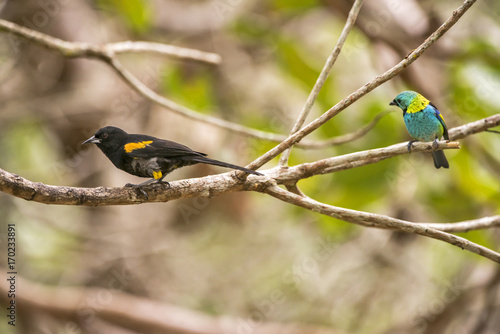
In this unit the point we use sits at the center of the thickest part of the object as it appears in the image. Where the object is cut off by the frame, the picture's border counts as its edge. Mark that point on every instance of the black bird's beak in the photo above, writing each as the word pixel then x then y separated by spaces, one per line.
pixel 92 140
pixel 393 103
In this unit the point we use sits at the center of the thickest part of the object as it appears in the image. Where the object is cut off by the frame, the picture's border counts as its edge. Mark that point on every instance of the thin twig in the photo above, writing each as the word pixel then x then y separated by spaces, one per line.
pixel 380 221
pixel 165 49
pixel 468 225
pixel 80 49
pixel 379 80
pixel 349 137
pixel 351 19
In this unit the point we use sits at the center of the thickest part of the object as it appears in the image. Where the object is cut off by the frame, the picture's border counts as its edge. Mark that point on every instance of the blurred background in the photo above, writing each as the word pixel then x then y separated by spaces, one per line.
pixel 229 256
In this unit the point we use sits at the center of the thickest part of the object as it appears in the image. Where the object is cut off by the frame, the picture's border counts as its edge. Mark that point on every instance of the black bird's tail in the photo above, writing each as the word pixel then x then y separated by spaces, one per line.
pixel 440 159
pixel 209 161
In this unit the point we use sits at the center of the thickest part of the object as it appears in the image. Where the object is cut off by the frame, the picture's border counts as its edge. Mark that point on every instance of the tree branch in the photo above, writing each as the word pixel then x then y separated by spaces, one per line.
pixel 107 53
pixel 79 49
pixel 468 225
pixel 220 184
pixel 351 19
pixel 164 49
pixel 229 182
pixel 381 221
pixel 208 186
pixel 306 144
pixel 471 128
pixel 140 314
pixel 352 160
pixel 379 80
pixel 362 158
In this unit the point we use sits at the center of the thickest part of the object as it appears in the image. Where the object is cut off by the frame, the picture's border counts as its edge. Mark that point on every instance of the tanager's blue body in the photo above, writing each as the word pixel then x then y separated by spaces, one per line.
pixel 423 121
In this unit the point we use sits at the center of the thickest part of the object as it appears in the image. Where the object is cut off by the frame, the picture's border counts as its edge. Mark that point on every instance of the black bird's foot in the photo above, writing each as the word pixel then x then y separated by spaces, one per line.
pixel 139 189
pixel 165 183
pixel 409 145
pixel 153 181
pixel 140 185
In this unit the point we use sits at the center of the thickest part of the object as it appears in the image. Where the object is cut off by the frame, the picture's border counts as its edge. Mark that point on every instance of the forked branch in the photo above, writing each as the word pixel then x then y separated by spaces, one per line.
pixel 349 100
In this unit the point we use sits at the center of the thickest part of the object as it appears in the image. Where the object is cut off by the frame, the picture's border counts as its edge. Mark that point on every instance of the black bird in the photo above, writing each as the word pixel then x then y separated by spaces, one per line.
pixel 147 156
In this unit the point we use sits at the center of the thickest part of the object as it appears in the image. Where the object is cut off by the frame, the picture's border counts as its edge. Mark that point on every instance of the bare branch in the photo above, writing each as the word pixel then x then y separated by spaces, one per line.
pixel 306 144
pixel 362 158
pixel 351 19
pixel 136 313
pixel 215 185
pixel 208 186
pixel 107 53
pixel 164 49
pixel 380 221
pixel 352 160
pixel 471 128
pixel 468 225
pixel 229 182
pixel 79 49
pixel 379 80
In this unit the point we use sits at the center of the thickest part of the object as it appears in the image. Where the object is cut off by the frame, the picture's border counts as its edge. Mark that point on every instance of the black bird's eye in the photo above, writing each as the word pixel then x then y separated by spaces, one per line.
pixel 104 135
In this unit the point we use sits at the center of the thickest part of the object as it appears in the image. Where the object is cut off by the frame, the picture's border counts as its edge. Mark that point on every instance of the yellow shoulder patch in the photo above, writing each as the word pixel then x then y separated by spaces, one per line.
pixel 157 175
pixel 135 146
pixel 418 104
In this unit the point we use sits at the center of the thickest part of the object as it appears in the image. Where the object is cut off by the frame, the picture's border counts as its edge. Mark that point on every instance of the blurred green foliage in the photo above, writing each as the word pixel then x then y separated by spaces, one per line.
pixel 192 89
pixel 136 14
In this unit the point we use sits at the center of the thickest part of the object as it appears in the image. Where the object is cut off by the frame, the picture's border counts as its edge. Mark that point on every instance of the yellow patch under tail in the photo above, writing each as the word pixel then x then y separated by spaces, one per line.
pixel 135 146
pixel 417 104
pixel 157 175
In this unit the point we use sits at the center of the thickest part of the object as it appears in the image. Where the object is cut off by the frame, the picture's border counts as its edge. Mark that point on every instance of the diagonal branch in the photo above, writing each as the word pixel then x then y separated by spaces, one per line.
pixel 306 144
pixel 351 19
pixel 379 80
pixel 380 221
pixel 352 160
pixel 471 128
pixel 362 158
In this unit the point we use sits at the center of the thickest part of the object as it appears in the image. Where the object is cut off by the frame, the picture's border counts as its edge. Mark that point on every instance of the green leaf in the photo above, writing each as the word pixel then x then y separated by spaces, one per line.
pixel 135 13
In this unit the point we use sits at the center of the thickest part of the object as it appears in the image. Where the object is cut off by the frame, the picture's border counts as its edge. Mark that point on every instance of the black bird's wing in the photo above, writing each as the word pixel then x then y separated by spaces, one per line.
pixel 150 147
